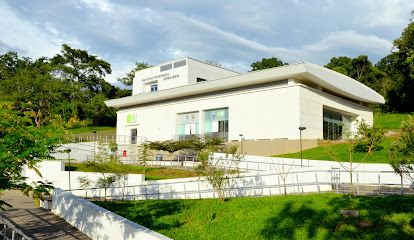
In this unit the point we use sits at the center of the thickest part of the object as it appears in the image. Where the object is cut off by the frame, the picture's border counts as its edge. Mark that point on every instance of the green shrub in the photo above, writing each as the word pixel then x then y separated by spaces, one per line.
pixel 402 150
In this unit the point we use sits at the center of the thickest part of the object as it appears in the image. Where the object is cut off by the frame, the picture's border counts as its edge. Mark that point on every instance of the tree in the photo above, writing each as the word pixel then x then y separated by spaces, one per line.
pixel 10 63
pixel 143 154
pixel 349 164
pixel 109 166
pixel 339 64
pixel 170 146
pixel 22 143
pixel 129 79
pixel 214 170
pixel 283 170
pixel 362 70
pixel 267 63
pixel 366 135
pixel 31 83
pixel 403 63
pixel 76 65
pixel 401 152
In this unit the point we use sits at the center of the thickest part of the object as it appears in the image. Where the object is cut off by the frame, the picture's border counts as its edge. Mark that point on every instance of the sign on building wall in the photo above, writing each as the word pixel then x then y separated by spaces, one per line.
pixel 131 118
pixel 188 118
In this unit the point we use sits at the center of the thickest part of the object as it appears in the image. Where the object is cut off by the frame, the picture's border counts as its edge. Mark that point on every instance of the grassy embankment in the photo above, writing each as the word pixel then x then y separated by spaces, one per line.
pixel 151 173
pixel 389 121
pixel 313 216
pixel 89 130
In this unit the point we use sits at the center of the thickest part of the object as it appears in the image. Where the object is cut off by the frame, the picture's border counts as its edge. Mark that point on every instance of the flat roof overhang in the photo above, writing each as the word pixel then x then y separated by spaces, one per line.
pixel 326 78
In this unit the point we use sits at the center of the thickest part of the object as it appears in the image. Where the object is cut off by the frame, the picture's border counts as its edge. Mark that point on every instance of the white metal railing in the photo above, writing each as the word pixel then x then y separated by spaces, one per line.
pixel 191 189
pixel 120 139
pixel 10 232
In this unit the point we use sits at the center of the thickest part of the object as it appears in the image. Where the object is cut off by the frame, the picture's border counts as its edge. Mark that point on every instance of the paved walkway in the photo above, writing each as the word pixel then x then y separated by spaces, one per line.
pixel 36 222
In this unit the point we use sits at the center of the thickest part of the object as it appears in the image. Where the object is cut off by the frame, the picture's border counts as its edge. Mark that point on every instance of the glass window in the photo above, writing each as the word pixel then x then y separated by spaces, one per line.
pixel 180 63
pixel 201 80
pixel 166 67
pixel 154 87
pixel 335 124
pixel 216 123
pixel 188 125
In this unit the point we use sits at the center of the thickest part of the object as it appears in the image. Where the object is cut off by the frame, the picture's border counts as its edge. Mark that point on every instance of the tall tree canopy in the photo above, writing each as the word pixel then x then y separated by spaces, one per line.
pixel 400 65
pixel 267 63
pixel 362 70
pixel 22 143
pixel 70 84
pixel 129 79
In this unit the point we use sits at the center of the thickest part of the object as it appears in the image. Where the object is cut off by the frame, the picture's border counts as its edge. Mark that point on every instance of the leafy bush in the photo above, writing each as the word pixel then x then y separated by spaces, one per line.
pixel 196 143
pixel 402 150
pixel 214 170
pixel 368 136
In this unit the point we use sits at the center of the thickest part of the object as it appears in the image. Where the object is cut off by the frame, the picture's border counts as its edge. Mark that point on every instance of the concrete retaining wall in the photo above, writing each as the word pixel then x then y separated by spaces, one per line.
pixel 96 222
pixel 54 171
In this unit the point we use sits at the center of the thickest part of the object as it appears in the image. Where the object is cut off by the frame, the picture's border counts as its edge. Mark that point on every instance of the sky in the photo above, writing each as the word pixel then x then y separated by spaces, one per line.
pixel 231 33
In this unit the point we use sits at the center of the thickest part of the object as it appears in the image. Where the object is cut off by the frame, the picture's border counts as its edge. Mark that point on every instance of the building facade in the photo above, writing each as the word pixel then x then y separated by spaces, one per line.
pixel 171 102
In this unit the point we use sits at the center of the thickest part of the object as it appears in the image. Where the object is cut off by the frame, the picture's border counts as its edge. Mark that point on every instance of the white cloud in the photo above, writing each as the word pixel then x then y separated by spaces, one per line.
pixel 101 5
pixel 22 34
pixel 386 14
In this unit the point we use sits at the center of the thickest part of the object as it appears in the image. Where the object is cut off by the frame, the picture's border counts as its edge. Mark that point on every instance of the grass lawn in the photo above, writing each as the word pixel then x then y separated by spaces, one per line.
pixel 390 120
pixel 89 130
pixel 152 173
pixel 313 216
pixel 318 153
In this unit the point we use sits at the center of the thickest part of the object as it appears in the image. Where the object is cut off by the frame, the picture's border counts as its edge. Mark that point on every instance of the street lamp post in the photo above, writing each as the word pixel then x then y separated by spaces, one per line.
pixel 241 143
pixel 300 131
pixel 69 150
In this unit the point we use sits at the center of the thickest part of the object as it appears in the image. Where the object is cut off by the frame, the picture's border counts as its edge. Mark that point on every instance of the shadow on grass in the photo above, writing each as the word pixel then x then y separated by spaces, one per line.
pixel 380 218
pixel 147 213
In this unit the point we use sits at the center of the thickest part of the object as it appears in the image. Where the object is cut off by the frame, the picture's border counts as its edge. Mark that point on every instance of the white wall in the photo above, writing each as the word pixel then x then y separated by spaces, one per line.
pixel 205 71
pixel 79 151
pixel 264 113
pixel 268 113
pixel 312 103
pixel 96 222
pixel 176 77
pixel 54 171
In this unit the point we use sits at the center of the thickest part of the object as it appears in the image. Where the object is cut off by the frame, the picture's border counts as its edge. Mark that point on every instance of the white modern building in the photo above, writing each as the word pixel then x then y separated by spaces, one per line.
pixel 177 99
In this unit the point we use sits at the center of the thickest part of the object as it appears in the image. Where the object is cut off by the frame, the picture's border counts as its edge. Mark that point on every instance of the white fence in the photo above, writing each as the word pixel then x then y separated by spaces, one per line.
pixel 258 181
pixel 54 171
pixel 96 222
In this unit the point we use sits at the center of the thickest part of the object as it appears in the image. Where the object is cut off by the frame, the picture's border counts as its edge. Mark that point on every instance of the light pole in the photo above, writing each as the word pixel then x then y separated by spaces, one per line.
pixel 300 131
pixel 241 143
pixel 69 150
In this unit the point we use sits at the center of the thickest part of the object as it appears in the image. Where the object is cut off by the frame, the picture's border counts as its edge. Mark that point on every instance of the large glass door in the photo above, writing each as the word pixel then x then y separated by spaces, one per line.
pixel 335 125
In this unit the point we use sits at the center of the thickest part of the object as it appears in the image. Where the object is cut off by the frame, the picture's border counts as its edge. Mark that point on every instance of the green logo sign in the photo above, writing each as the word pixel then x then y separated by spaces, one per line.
pixel 131 118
